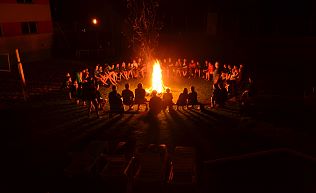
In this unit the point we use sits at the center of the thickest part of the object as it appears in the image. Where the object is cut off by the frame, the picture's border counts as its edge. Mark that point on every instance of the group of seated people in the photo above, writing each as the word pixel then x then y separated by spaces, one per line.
pixel 109 74
pixel 155 104
pixel 117 101
pixel 227 80
pixel 112 74
pixel 192 69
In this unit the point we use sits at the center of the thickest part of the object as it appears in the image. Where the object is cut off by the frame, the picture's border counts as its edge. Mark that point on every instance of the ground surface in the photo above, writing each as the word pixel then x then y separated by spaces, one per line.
pixel 38 136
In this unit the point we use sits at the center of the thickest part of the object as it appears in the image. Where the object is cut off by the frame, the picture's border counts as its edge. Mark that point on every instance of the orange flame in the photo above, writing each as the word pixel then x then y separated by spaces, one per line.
pixel 157 83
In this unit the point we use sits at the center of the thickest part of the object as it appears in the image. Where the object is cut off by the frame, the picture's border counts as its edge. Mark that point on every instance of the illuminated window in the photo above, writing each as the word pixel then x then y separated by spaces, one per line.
pixel 29 27
pixel 24 1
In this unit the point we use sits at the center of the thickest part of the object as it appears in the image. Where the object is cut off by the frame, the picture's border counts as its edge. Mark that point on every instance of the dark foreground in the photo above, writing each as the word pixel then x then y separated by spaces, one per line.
pixel 270 150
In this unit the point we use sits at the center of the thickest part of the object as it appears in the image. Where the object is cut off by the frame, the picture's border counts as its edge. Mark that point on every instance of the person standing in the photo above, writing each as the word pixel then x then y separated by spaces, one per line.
pixel 91 96
pixel 216 73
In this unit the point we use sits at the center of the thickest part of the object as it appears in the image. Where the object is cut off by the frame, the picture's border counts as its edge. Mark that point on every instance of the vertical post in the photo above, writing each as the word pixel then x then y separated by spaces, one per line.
pixel 23 83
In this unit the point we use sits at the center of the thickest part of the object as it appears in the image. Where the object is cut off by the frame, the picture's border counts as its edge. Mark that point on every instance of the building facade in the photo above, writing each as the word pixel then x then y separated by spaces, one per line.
pixel 26 25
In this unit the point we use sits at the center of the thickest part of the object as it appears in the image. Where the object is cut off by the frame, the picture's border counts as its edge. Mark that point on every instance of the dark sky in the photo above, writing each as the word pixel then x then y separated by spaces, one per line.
pixel 295 17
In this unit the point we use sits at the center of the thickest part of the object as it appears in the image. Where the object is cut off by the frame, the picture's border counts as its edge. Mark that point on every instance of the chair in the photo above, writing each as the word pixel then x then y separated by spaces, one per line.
pixel 150 173
pixel 116 107
pixel 182 173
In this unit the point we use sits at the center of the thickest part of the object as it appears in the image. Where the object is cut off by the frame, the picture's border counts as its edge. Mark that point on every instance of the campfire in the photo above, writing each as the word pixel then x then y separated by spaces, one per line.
pixel 157 82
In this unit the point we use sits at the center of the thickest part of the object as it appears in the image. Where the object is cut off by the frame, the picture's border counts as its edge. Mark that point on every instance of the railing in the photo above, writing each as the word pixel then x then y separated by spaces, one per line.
pixel 262 153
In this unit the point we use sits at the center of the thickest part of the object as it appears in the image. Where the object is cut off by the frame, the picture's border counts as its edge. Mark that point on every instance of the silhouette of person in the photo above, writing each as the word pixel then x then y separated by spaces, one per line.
pixel 183 98
pixel 215 99
pixel 167 100
pixel 192 98
pixel 155 104
pixel 128 97
pixel 91 96
pixel 140 94
pixel 115 101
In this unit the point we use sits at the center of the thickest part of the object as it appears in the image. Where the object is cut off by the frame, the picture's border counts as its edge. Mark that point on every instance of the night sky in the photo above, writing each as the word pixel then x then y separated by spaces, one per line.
pixel 275 31
pixel 277 18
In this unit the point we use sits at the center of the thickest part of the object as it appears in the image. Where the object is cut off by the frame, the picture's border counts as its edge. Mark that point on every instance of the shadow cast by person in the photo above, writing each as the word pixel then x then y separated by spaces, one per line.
pixel 153 127
pixel 220 118
pixel 151 118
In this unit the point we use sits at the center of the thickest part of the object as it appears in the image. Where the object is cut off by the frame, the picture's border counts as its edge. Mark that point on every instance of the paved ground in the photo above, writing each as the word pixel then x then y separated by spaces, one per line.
pixel 39 135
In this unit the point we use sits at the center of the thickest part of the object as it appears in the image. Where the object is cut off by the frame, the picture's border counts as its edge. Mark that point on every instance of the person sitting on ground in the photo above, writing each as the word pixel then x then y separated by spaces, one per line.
pixel 155 104
pixel 140 95
pixel 142 70
pixel 128 97
pixel 192 98
pixel 183 99
pixel 115 101
pixel 167 100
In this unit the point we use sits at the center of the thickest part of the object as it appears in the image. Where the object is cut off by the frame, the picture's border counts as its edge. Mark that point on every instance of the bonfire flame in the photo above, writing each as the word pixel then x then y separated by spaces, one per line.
pixel 157 83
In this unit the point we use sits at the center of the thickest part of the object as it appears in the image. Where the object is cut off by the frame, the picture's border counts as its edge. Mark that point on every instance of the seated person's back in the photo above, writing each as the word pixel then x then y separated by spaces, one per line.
pixel 183 98
pixel 127 95
pixel 115 100
pixel 155 103
pixel 192 98
pixel 140 94
pixel 167 98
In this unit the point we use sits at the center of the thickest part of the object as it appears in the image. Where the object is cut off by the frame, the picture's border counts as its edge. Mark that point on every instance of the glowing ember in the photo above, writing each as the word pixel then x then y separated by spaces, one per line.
pixel 157 83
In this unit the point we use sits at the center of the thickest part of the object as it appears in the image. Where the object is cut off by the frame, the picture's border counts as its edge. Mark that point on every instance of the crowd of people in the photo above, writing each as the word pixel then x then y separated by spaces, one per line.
pixel 226 80
pixel 158 101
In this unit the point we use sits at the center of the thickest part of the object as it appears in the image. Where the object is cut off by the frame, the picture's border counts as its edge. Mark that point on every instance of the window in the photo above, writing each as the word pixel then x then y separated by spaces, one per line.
pixel 24 1
pixel 1 32
pixel 4 62
pixel 29 27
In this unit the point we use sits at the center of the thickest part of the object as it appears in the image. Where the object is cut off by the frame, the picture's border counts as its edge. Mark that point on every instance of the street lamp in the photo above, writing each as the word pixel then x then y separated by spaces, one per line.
pixel 94 21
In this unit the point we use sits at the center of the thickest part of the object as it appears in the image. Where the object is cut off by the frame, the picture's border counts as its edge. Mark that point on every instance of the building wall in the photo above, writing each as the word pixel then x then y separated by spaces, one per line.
pixel 33 45
pixel 34 1
pixel 24 12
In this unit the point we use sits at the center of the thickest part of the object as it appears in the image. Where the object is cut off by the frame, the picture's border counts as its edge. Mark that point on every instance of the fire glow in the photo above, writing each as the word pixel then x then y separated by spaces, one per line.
pixel 157 83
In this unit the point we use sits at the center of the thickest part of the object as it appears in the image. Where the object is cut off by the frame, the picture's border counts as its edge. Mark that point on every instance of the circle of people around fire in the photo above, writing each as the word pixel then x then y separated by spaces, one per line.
pixel 227 81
